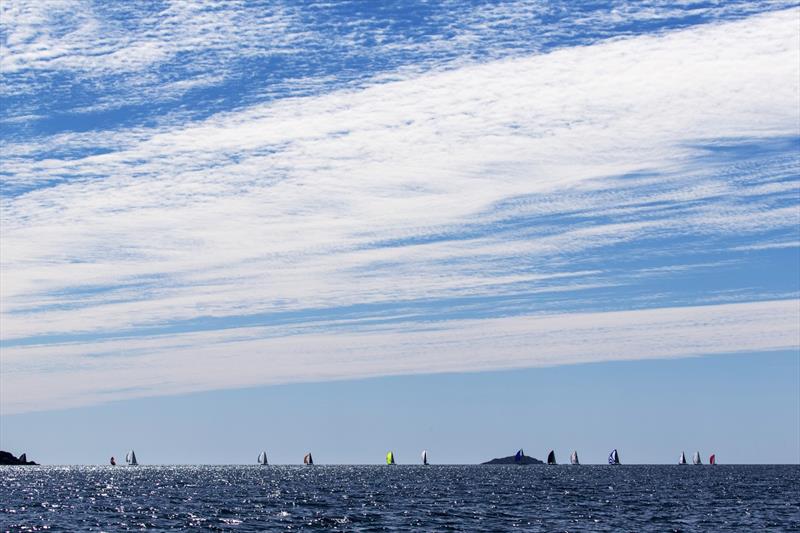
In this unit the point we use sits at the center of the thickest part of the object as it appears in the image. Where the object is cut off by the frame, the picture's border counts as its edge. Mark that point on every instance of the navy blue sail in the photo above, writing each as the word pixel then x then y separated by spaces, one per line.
pixel 519 455
pixel 613 457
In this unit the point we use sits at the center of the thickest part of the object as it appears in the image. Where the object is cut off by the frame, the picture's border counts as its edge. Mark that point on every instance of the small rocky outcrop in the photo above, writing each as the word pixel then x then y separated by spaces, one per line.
pixel 511 460
pixel 7 458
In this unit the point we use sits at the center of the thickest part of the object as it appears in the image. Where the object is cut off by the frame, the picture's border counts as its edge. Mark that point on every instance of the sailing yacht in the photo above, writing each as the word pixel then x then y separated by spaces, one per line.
pixel 307 459
pixel 425 457
pixel 130 458
pixel 712 460
pixel 682 460
pixel 262 459
pixel 390 458
pixel 696 459
pixel 551 458
pixel 574 458
pixel 519 455
pixel 613 457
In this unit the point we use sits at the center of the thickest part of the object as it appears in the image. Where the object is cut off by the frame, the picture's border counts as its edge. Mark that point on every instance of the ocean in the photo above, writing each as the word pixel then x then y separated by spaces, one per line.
pixel 401 498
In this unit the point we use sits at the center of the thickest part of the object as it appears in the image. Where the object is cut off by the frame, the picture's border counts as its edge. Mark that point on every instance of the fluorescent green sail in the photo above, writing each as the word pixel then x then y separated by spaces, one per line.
pixel 390 458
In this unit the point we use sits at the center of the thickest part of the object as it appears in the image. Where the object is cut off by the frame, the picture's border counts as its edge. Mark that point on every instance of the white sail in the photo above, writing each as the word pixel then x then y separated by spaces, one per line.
pixel 696 459
pixel 682 460
pixel 574 458
pixel 424 457
pixel 130 458
pixel 262 458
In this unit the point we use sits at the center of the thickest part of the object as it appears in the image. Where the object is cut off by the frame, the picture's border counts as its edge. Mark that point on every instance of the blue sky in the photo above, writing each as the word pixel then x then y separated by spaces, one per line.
pixel 234 205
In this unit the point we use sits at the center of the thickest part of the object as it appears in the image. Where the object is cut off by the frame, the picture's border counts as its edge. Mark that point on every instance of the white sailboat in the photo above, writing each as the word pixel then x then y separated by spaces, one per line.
pixel 573 459
pixel 130 458
pixel 696 459
pixel 682 460
pixel 307 459
pixel 425 457
pixel 262 459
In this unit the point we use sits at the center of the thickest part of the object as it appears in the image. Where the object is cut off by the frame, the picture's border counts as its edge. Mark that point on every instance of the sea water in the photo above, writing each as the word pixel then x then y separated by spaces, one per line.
pixel 401 498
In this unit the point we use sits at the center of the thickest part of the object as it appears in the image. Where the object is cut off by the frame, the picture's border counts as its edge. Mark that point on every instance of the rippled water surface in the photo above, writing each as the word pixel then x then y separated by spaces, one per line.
pixel 407 498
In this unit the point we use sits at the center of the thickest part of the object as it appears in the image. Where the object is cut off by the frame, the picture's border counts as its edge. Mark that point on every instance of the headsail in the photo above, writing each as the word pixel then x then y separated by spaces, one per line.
pixel 424 457
pixel 551 457
pixel 696 459
pixel 519 455
pixel 307 459
pixel 574 458
pixel 613 457
pixel 390 458
pixel 262 458
pixel 712 460
pixel 682 460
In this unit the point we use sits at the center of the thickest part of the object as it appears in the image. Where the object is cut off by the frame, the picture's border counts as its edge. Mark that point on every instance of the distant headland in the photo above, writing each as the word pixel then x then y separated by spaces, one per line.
pixel 514 460
pixel 7 458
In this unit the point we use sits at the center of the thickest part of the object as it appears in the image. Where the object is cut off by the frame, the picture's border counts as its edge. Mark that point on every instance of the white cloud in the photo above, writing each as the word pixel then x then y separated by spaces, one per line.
pixel 69 375
pixel 282 206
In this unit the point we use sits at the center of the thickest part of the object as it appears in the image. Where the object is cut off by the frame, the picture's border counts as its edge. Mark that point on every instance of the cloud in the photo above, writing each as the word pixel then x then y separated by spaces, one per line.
pixel 496 179
pixel 69 375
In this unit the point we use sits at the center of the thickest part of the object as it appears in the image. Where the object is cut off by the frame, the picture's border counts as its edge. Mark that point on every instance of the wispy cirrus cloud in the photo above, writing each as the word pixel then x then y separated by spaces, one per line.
pixel 537 185
pixel 59 376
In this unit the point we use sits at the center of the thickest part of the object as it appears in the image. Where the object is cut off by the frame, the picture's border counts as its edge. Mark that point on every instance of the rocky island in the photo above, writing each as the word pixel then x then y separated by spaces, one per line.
pixel 513 460
pixel 7 458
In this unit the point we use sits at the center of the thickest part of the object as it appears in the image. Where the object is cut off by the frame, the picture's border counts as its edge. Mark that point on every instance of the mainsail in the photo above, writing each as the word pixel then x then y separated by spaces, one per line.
pixel 551 458
pixel 613 457
pixel 712 460
pixel 574 458
pixel 696 459
pixel 519 455
pixel 390 458
pixel 307 459
pixel 262 458
pixel 424 457
pixel 130 458
pixel 682 460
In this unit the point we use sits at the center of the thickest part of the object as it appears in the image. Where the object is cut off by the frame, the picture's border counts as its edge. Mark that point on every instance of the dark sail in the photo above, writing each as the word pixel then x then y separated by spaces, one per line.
pixel 551 458
pixel 613 458
pixel 518 457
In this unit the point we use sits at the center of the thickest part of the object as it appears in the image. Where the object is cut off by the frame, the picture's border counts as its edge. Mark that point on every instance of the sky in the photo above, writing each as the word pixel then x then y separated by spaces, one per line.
pixel 347 226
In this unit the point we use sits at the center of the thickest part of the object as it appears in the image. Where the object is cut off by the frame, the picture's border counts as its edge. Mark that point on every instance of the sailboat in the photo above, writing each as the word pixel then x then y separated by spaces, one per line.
pixel 613 457
pixel 712 460
pixel 390 458
pixel 307 459
pixel 130 458
pixel 551 458
pixel 696 459
pixel 574 458
pixel 682 460
pixel 262 459
pixel 425 457
pixel 519 455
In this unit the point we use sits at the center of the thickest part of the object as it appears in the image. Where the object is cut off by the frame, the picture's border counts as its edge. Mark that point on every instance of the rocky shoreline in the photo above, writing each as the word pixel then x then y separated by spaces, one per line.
pixel 7 458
